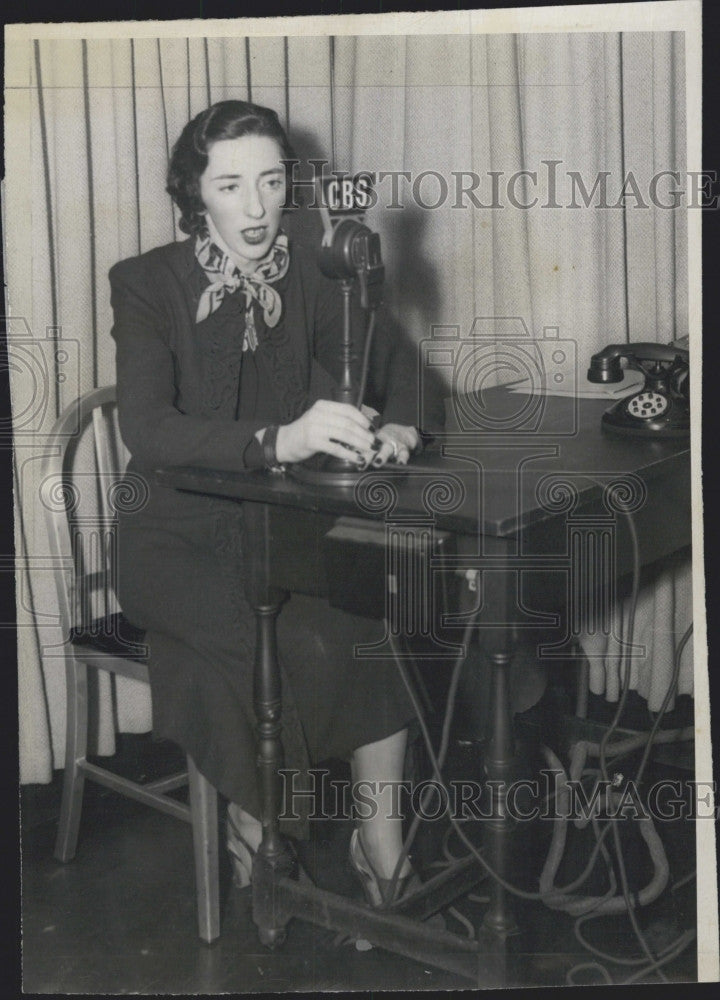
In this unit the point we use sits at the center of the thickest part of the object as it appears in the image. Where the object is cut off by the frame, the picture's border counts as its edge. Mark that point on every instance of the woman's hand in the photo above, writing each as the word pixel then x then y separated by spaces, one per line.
pixel 398 444
pixel 337 429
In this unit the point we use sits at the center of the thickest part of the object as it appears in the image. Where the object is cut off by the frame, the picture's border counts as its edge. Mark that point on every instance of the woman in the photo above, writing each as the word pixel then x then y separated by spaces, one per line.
pixel 227 348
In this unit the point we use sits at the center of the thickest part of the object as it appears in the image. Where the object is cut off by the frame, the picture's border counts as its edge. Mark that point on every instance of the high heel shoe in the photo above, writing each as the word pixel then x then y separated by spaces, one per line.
pixel 241 853
pixel 378 891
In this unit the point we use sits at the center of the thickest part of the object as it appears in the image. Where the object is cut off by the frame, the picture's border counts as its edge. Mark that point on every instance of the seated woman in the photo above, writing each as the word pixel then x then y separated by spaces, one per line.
pixel 227 348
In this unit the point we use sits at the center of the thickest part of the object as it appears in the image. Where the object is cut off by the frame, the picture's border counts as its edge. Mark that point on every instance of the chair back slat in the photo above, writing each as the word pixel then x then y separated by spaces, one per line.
pixel 110 467
pixel 103 457
pixel 86 458
pixel 120 455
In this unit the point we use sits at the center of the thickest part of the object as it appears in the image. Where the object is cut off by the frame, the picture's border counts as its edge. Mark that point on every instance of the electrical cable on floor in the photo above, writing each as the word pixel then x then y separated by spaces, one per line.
pixel 514 890
pixel 629 635
pixel 652 737
pixel 437 761
pixel 583 689
pixel 683 881
pixel 624 747
pixel 685 939
pixel 669 694
pixel 461 919
pixel 607 979
pixel 450 861
pixel 607 956
pixel 475 898
pixel 450 858
pixel 446 847
pixel 621 748
pixel 521 893
pixel 564 900
pixel 654 964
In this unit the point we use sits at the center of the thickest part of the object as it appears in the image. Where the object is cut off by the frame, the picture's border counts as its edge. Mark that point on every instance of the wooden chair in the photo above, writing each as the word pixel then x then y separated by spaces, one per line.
pixel 97 636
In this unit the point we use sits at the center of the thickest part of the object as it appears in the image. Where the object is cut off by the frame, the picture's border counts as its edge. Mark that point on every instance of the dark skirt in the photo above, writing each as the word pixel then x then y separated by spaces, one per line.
pixel 181 579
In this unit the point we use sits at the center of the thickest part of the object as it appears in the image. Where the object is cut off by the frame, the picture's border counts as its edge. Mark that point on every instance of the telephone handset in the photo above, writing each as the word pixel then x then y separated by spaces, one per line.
pixel 662 407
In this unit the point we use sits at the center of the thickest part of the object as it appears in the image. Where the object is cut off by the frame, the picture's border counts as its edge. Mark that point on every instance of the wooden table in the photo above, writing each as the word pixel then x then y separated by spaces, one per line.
pixel 540 522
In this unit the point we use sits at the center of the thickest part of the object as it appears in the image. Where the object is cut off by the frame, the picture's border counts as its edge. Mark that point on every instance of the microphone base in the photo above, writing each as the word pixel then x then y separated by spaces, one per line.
pixel 326 470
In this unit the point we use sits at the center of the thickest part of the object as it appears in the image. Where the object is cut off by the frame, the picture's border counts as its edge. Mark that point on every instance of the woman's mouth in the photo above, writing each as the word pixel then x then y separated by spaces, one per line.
pixel 255 235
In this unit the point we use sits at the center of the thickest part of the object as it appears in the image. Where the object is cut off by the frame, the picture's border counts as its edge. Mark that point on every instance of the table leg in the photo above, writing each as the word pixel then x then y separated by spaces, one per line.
pixel 493 590
pixel 268 710
pixel 273 857
pixel 499 767
pixel 277 894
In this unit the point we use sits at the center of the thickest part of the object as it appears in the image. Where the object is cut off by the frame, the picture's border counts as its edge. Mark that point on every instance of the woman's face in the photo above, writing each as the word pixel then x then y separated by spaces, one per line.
pixel 243 189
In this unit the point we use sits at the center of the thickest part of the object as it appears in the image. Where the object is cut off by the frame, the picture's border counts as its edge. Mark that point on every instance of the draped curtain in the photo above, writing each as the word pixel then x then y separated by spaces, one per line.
pixel 95 120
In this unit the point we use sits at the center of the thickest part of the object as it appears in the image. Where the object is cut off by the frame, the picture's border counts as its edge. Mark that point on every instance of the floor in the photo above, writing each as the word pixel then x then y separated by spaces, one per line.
pixel 120 918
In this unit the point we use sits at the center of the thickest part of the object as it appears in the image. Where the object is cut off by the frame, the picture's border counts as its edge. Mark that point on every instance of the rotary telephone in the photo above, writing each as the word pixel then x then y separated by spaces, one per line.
pixel 662 407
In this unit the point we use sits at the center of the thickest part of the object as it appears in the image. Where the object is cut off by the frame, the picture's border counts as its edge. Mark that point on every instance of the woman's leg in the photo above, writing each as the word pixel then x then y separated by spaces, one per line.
pixel 243 836
pixel 379 766
pixel 249 828
pixel 381 833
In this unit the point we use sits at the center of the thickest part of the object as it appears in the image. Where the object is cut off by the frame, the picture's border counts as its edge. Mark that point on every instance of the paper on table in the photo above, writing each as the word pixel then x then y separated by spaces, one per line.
pixel 632 382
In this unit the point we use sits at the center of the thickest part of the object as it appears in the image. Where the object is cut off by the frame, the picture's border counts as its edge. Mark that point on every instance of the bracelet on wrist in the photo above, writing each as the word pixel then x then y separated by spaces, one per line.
pixel 269 442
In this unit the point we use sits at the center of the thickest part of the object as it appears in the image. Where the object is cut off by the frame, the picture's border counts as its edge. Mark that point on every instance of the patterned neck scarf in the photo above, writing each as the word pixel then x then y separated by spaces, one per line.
pixel 225 276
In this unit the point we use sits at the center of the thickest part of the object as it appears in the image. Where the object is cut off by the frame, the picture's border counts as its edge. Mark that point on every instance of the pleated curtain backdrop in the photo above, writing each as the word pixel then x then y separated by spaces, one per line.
pixel 105 113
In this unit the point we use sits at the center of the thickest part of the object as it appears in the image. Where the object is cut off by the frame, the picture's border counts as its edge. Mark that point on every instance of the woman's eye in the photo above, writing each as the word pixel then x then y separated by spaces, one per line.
pixel 274 183
pixel 229 187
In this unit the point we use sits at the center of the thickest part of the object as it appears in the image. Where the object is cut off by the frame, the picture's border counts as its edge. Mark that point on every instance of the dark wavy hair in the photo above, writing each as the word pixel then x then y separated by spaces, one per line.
pixel 224 120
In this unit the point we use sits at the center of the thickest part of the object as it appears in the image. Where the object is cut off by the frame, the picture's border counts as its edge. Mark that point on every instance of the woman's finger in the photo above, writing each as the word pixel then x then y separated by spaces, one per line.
pixel 362 456
pixel 372 415
pixel 344 430
pixel 344 411
pixel 325 411
pixel 348 436
pixel 339 450
pixel 384 455
pixel 404 436
pixel 392 451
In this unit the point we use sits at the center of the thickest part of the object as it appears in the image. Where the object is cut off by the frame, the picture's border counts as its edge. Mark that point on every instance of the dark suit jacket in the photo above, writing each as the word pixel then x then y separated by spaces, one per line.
pixel 177 393
pixel 180 558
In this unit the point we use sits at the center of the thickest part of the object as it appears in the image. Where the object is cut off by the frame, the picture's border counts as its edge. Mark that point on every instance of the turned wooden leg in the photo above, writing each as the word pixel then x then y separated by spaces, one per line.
pixel 272 858
pixel 499 767
pixel 268 712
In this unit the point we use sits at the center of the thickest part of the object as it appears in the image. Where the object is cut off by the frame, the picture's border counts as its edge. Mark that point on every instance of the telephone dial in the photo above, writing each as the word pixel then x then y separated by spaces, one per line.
pixel 662 407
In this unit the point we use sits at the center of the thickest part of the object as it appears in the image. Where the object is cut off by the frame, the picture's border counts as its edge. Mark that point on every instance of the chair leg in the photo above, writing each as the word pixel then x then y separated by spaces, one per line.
pixel 75 755
pixel 203 806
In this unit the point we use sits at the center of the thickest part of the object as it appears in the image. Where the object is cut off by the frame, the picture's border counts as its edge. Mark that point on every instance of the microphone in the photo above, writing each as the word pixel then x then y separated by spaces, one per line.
pixel 349 249
pixel 349 253
pixel 353 251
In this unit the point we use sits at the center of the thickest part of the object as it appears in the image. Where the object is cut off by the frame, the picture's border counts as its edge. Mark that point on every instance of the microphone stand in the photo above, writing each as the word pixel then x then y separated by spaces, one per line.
pixel 327 470
pixel 345 392
pixel 352 255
